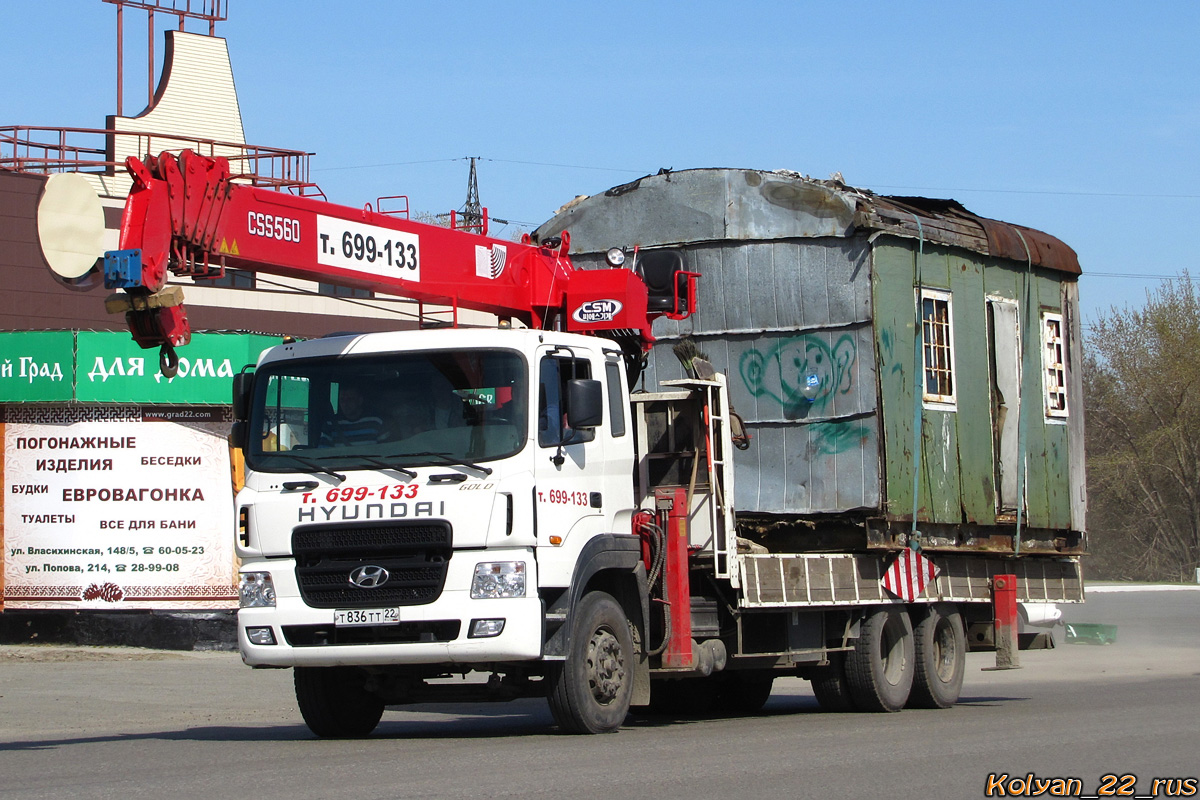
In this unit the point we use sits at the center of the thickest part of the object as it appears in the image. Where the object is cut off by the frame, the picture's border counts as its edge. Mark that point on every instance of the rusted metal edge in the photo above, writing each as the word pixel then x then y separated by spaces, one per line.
pixel 948 222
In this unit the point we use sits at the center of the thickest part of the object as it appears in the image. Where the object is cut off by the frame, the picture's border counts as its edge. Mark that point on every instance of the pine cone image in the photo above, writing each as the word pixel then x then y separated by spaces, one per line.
pixel 109 593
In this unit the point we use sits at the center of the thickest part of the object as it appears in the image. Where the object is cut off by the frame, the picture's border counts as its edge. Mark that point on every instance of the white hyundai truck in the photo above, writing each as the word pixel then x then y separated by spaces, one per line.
pixel 445 514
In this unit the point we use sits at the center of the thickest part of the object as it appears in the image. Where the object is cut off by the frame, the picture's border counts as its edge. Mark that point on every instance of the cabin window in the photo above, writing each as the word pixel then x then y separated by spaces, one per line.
pixel 616 405
pixel 233 279
pixel 1054 366
pixel 937 338
pixel 553 375
pixel 336 290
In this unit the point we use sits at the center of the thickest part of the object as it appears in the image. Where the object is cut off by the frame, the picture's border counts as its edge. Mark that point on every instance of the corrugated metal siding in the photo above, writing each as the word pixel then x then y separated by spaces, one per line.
pixel 770 310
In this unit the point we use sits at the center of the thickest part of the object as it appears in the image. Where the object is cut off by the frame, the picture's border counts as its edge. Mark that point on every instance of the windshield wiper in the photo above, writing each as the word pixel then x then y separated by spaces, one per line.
pixel 379 462
pixel 445 458
pixel 313 466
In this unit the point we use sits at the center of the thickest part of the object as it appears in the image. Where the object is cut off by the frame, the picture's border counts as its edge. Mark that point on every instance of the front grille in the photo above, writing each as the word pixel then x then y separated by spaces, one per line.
pixel 404 633
pixel 416 556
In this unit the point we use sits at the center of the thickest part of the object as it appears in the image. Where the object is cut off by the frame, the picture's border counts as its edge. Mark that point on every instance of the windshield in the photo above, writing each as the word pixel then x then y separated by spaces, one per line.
pixel 388 411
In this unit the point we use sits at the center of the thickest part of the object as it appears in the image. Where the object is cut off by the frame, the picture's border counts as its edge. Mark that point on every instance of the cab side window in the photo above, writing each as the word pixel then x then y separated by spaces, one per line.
pixel 616 406
pixel 553 375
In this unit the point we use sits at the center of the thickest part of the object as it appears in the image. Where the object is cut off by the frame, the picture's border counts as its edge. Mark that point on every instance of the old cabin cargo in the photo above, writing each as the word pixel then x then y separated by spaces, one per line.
pixel 806 280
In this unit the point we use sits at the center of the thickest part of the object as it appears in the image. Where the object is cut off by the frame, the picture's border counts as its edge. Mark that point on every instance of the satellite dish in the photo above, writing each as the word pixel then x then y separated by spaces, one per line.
pixel 70 223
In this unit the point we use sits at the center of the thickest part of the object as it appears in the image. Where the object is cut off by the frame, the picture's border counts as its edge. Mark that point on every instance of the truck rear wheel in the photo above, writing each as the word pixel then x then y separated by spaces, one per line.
pixel 881 667
pixel 830 686
pixel 941 653
pixel 335 703
pixel 591 690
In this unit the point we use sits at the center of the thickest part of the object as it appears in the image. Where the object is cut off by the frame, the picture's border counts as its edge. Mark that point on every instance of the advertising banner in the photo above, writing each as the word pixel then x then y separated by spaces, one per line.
pixel 118 507
pixel 37 366
pixel 109 367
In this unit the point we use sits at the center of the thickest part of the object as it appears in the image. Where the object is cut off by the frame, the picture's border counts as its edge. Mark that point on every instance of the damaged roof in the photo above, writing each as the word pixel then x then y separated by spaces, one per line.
pixel 697 205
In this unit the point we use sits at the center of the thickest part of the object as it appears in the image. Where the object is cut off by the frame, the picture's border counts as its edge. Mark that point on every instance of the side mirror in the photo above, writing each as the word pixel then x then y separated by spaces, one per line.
pixel 238 434
pixel 243 390
pixel 585 403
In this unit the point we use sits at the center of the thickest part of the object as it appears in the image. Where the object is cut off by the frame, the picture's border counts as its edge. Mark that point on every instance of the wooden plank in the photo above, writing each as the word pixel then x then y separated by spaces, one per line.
pixel 1076 467
pixel 974 429
pixel 941 487
pixel 895 309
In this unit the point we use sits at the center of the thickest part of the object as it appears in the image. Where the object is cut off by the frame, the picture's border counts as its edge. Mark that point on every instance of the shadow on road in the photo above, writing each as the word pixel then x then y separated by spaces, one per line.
pixel 215 733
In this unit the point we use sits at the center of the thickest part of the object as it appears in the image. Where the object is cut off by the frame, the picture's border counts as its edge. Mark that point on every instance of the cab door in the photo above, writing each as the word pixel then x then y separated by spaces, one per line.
pixel 568 467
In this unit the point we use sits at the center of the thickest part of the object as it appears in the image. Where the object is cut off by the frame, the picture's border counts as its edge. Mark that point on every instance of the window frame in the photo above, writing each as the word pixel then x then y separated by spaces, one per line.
pixel 343 292
pixel 1055 403
pixel 580 367
pixel 946 365
pixel 614 375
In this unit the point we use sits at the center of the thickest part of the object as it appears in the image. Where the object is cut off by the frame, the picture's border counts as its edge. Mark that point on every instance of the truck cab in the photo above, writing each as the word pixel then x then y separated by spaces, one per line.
pixel 423 498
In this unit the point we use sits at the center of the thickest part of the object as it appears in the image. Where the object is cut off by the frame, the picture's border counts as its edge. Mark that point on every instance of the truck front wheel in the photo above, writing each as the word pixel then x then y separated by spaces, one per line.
pixel 590 691
pixel 941 653
pixel 881 667
pixel 335 703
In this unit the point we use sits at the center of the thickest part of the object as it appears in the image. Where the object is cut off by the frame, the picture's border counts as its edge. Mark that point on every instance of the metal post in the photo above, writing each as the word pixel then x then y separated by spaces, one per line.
pixel 120 57
pixel 1004 610
pixel 150 58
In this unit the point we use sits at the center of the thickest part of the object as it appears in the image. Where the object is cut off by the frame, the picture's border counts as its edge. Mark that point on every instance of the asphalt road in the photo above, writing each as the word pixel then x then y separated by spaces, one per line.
pixel 115 723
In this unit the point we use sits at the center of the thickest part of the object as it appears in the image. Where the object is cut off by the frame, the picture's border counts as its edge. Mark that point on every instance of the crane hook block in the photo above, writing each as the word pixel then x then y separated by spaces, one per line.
pixel 123 269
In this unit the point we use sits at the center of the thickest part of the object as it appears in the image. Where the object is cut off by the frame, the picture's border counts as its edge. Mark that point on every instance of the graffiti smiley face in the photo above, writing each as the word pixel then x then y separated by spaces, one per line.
pixel 803 363
pixel 791 366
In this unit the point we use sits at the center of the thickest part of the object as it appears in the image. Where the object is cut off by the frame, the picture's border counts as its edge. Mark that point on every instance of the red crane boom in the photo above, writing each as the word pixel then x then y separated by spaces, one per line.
pixel 187 215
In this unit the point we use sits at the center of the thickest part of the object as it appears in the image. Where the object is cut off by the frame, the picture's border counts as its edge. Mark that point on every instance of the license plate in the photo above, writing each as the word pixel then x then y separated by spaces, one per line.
pixel 358 617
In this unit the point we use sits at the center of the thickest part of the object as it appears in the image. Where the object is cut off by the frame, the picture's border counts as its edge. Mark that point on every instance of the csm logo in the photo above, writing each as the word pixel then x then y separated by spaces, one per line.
pixel 597 311
pixel 490 261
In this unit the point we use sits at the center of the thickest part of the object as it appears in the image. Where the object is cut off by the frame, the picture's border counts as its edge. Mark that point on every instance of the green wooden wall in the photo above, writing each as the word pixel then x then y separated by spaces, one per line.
pixel 957 482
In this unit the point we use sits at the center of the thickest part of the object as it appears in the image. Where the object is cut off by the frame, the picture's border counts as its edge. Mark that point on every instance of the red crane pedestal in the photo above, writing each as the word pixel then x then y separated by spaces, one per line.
pixel 678 654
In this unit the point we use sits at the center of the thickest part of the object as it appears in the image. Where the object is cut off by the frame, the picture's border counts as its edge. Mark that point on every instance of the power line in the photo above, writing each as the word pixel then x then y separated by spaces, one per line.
pixel 557 165
pixel 566 166
pixel 1146 276
pixel 390 164
pixel 349 300
pixel 495 160
pixel 1041 191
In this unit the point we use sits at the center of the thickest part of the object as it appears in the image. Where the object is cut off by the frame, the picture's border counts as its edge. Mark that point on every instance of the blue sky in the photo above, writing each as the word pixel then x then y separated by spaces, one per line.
pixel 1079 119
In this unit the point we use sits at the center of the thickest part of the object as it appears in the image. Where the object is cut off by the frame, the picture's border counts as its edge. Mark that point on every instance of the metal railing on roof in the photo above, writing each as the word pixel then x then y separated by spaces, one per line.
pixel 47 150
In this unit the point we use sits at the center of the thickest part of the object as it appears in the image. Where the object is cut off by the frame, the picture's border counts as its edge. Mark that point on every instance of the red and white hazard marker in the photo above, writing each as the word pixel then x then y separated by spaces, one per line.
pixel 909 574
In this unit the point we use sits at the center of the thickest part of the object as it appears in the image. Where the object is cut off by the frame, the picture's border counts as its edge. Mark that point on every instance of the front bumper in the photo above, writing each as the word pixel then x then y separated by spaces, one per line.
pixel 433 633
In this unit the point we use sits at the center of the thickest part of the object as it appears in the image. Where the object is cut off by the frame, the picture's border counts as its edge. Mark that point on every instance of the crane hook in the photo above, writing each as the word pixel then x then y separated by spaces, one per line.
pixel 168 361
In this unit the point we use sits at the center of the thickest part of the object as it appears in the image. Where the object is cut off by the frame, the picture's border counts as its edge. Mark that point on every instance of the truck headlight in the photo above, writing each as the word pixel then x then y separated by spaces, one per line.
pixel 256 590
pixel 498 579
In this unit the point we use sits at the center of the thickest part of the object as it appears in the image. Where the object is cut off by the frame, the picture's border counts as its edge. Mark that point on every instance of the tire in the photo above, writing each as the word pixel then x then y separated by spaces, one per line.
pixel 335 703
pixel 831 688
pixel 591 690
pixel 742 693
pixel 940 647
pixel 881 667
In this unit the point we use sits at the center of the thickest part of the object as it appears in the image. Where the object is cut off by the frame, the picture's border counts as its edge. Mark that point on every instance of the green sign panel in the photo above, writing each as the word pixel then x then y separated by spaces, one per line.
pixel 111 368
pixel 108 367
pixel 36 366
